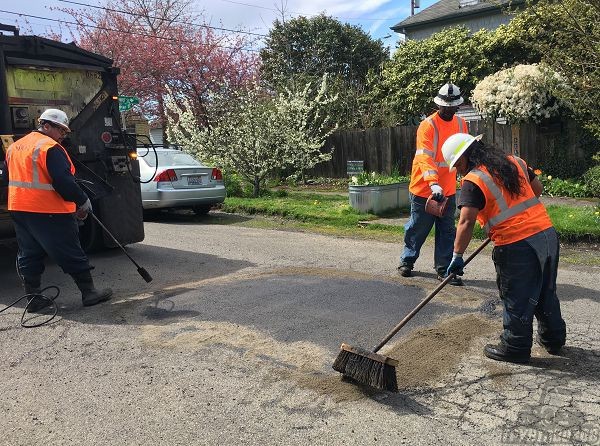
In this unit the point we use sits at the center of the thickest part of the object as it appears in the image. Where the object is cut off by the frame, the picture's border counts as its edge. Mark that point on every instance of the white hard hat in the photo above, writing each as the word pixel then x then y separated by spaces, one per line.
pixel 449 96
pixel 457 144
pixel 55 116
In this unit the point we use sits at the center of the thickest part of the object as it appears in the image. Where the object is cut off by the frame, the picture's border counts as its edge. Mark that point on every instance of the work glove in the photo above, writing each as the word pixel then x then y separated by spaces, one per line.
pixel 84 210
pixel 437 193
pixel 456 265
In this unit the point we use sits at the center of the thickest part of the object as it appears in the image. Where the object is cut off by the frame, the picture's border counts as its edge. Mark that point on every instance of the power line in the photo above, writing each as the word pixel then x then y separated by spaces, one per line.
pixel 122 31
pixel 304 13
pixel 160 18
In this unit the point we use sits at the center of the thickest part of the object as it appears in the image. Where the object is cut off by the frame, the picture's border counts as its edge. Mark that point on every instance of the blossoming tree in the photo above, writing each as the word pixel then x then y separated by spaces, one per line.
pixel 254 133
pixel 157 43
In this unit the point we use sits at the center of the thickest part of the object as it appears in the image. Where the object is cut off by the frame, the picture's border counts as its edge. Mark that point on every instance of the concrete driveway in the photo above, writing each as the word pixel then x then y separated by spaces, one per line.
pixel 234 339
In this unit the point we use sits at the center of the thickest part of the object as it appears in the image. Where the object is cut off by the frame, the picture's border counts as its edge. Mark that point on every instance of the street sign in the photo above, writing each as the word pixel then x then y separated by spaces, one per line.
pixel 127 102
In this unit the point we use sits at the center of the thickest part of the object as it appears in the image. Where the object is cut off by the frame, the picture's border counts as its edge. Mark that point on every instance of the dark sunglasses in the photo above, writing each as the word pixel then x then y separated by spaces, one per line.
pixel 63 130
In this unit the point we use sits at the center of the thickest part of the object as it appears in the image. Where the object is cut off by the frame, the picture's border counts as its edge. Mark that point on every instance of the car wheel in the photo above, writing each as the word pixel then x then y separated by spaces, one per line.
pixel 201 210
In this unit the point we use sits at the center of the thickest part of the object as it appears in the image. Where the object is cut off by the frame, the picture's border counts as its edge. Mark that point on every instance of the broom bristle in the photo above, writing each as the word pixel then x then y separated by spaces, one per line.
pixel 366 370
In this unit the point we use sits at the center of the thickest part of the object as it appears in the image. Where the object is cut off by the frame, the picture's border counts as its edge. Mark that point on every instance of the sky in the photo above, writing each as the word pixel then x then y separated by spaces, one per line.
pixel 375 17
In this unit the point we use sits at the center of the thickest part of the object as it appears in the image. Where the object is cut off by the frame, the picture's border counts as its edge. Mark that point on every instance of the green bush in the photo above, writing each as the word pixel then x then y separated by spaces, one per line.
pixel 377 179
pixel 555 187
pixel 328 182
pixel 234 185
pixel 591 179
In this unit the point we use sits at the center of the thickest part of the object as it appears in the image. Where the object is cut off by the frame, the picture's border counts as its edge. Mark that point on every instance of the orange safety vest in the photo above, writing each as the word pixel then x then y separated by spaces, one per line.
pixel 428 165
pixel 29 184
pixel 504 218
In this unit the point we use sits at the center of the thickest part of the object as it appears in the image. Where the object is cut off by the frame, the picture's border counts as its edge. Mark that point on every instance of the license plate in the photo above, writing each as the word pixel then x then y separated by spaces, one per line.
pixel 194 181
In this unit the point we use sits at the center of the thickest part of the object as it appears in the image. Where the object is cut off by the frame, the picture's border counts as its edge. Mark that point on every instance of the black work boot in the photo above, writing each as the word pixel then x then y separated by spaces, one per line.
pixel 405 270
pixel 89 294
pixel 554 348
pixel 455 281
pixel 499 353
pixel 32 285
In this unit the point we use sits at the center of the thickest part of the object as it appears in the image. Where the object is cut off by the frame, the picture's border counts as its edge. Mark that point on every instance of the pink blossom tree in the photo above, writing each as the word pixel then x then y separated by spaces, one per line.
pixel 159 43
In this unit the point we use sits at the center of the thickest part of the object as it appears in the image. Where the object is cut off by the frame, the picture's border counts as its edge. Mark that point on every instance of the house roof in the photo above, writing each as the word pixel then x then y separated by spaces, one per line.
pixel 447 10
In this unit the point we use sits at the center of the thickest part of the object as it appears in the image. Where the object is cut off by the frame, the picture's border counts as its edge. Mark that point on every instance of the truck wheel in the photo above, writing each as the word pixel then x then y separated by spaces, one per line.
pixel 201 210
pixel 90 235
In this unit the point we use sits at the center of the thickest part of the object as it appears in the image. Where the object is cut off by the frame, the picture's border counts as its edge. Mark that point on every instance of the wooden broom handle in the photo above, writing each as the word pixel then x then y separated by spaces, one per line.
pixel 424 302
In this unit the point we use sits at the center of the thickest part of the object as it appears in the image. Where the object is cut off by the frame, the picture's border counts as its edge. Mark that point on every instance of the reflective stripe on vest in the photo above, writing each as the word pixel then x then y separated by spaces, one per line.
pixel 35 184
pixel 523 165
pixel 436 137
pixel 436 141
pixel 424 152
pixel 505 211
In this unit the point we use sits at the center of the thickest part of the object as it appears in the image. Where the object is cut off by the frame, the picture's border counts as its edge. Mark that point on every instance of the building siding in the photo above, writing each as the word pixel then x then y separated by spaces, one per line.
pixel 489 23
pixel 156 136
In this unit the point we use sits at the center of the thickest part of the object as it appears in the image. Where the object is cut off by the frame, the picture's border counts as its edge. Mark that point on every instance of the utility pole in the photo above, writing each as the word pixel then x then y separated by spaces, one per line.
pixel 414 4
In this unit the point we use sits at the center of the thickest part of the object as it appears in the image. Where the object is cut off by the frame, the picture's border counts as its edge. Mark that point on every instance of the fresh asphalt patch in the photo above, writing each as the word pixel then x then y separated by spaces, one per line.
pixel 293 308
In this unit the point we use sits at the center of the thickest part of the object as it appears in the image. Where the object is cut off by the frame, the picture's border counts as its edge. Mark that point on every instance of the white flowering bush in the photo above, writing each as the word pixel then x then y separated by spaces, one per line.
pixel 255 133
pixel 518 94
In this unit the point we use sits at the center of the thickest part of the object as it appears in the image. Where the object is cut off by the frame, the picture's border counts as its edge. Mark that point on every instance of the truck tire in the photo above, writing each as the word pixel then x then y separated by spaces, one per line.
pixel 90 235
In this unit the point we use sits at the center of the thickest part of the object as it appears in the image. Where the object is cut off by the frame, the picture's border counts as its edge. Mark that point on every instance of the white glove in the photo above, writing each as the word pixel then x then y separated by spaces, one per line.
pixel 84 210
pixel 437 192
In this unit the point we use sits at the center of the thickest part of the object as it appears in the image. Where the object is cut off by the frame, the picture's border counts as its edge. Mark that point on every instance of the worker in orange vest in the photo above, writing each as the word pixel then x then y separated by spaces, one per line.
pixel 501 193
pixel 430 176
pixel 45 202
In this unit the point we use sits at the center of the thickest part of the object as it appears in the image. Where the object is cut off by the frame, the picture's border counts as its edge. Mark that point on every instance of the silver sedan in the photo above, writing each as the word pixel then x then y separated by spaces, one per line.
pixel 174 179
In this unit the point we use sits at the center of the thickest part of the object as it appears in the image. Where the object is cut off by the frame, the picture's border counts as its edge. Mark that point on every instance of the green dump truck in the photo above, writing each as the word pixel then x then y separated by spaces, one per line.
pixel 38 73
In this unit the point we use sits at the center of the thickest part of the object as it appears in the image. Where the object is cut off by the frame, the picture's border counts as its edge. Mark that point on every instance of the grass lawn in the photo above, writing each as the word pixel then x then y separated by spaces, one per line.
pixel 332 214
pixel 315 212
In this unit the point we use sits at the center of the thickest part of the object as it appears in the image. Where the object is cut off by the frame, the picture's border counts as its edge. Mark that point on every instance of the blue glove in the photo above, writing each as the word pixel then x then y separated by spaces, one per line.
pixel 437 193
pixel 456 265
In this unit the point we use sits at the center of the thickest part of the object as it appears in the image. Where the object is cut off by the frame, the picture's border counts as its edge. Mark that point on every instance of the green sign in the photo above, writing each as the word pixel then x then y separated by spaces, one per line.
pixel 127 102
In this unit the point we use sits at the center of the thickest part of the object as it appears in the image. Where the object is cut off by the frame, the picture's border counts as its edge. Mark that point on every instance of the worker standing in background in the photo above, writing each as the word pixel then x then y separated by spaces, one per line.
pixel 501 193
pixel 431 176
pixel 45 202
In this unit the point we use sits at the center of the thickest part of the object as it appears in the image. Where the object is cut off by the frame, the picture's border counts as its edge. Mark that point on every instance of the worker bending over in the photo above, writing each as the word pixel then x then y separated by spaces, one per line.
pixel 501 193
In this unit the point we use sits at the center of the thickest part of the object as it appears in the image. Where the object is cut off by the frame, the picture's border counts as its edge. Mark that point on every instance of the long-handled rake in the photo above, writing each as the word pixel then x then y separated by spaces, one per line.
pixel 376 370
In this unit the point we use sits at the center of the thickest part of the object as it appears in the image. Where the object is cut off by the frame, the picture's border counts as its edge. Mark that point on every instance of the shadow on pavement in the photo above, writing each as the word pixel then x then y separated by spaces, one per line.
pixel 574 361
pixel 174 272
pixel 183 217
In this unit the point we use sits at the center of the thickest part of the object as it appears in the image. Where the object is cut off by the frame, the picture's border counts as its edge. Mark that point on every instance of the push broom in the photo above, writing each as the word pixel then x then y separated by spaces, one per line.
pixel 376 370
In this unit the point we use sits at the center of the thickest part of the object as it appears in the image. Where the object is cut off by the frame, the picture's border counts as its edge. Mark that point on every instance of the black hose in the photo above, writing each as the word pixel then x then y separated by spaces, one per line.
pixel 31 298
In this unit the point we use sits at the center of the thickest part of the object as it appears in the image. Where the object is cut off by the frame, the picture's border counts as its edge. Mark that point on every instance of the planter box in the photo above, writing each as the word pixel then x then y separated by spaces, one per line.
pixel 378 199
pixel 403 199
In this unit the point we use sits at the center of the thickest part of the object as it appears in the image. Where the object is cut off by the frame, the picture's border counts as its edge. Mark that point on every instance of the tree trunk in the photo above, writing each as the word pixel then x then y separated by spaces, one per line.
pixel 256 190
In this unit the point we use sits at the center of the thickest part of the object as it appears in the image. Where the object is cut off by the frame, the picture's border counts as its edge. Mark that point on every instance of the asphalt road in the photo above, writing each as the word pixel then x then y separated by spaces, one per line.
pixel 233 341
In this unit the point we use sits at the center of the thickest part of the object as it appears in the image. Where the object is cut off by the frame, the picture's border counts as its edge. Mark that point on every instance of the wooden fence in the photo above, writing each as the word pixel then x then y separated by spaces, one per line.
pixel 554 146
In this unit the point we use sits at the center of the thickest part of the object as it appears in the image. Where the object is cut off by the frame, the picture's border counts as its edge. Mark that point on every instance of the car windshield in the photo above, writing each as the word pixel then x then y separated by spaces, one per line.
pixel 171 159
